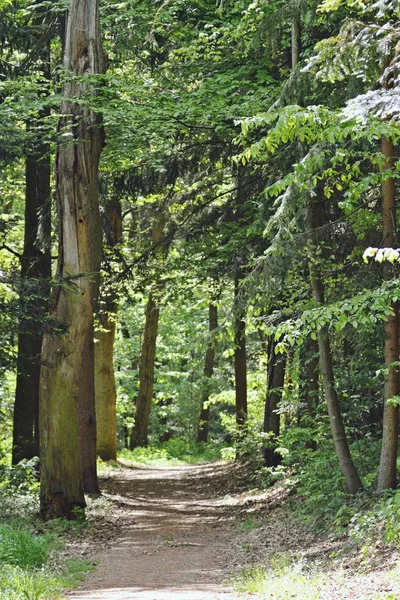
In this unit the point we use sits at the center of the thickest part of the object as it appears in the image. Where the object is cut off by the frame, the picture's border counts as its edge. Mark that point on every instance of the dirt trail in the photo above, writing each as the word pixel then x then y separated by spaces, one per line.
pixel 175 542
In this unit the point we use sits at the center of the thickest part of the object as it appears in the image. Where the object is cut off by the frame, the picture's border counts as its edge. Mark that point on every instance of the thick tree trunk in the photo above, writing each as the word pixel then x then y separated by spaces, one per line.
pixel 276 377
pixel 240 356
pixel 105 389
pixel 146 376
pixel 67 421
pixel 349 471
pixel 387 467
pixel 35 272
pixel 106 395
pixel 202 431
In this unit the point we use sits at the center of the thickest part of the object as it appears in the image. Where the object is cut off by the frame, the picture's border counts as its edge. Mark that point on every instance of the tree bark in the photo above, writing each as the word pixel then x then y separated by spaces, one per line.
pixel 67 421
pixel 349 471
pixel 139 435
pixel 240 356
pixel 35 273
pixel 387 467
pixel 105 389
pixel 276 377
pixel 296 37
pixel 202 430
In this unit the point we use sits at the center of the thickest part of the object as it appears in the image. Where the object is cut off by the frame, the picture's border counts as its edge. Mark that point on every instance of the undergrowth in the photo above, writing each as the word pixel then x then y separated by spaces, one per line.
pixel 31 564
pixel 173 452
pixel 283 580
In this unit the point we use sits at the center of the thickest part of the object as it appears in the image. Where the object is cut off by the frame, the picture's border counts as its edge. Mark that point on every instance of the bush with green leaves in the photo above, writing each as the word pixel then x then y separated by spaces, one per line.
pixel 380 521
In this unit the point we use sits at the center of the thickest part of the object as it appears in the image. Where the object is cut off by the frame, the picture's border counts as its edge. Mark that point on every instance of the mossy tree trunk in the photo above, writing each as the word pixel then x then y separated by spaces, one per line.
pixel 67 418
pixel 387 466
pixel 105 390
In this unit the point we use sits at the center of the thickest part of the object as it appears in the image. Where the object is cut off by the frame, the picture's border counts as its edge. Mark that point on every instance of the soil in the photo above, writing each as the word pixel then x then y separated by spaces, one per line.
pixel 181 533
pixel 174 540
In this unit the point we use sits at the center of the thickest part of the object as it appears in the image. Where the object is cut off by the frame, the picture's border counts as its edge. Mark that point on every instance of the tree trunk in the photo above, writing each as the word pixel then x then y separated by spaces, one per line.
pixel 139 436
pixel 202 431
pixel 276 377
pixel 106 395
pixel 296 37
pixel 387 467
pixel 67 421
pixel 240 357
pixel 146 376
pixel 35 273
pixel 309 379
pixel 349 471
pixel 105 390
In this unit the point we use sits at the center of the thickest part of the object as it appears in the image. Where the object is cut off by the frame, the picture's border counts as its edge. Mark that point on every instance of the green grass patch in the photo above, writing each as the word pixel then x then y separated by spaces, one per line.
pixel 29 566
pixel 17 583
pixel 174 452
pixel 279 582
pixel 250 524
pixel 19 547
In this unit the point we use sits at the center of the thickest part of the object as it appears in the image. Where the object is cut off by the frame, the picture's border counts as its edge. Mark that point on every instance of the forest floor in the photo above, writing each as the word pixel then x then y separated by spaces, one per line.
pixel 186 533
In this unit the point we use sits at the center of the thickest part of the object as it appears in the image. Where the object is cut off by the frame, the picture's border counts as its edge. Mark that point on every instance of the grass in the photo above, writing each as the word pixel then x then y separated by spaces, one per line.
pixel 17 583
pixel 173 453
pixel 30 565
pixel 279 582
pixel 250 524
pixel 19 547
pixel 284 579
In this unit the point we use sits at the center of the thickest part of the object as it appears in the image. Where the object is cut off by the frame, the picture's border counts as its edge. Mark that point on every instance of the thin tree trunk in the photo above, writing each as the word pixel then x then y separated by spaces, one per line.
pixel 387 467
pixel 296 37
pixel 349 471
pixel 35 272
pixel 139 436
pixel 202 431
pixel 143 405
pixel 276 377
pixel 105 389
pixel 312 377
pixel 67 421
pixel 240 356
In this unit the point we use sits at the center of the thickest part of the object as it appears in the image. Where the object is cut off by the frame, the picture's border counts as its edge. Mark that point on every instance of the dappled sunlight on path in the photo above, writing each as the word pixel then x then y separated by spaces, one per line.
pixel 174 542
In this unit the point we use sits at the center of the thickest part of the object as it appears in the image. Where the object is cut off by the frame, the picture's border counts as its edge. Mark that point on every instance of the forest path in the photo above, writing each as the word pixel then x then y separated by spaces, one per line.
pixel 175 539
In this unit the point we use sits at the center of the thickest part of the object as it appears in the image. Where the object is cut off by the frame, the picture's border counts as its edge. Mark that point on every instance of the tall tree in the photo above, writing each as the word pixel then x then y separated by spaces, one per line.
pixel 240 359
pixel 105 389
pixel 203 426
pixel 35 272
pixel 35 261
pixel 387 467
pixel 349 471
pixel 67 422
pixel 139 436
pixel 276 377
